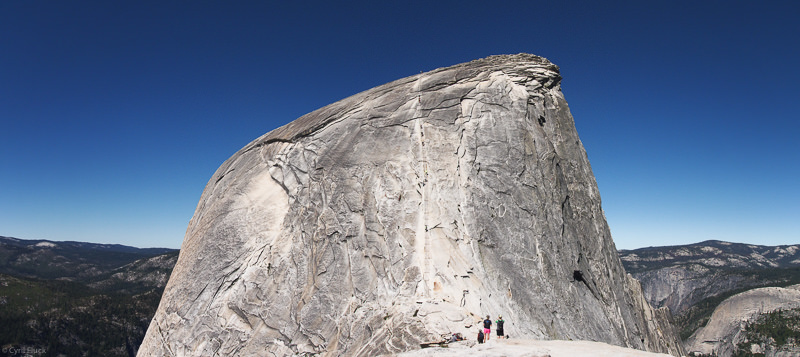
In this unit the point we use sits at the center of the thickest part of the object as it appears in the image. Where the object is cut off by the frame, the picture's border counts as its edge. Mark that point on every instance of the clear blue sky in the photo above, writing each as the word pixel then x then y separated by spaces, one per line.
pixel 116 113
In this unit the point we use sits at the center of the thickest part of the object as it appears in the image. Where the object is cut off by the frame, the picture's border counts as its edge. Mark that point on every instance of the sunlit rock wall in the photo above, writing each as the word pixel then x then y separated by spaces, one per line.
pixel 402 214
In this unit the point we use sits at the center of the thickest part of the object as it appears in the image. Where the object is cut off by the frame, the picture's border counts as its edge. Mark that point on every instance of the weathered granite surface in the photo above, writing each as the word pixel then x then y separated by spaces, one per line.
pixel 529 348
pixel 401 214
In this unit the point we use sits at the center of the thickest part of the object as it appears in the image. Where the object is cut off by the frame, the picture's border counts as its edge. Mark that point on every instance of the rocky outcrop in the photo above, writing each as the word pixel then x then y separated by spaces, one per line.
pixel 727 326
pixel 658 320
pixel 402 214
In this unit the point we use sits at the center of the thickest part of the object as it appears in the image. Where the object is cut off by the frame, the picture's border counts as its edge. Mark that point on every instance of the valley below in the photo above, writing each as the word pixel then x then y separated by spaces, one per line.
pixel 78 299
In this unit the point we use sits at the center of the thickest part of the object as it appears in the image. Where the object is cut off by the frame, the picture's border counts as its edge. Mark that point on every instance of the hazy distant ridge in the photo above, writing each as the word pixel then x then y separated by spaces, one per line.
pixel 77 261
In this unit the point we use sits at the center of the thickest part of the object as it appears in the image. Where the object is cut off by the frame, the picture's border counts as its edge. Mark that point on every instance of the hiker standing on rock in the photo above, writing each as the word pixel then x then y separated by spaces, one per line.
pixel 487 328
pixel 500 323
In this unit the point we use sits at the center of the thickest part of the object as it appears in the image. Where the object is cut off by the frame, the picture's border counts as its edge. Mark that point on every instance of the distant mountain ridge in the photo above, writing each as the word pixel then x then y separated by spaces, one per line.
pixel 74 261
pixel 712 253
pixel 70 245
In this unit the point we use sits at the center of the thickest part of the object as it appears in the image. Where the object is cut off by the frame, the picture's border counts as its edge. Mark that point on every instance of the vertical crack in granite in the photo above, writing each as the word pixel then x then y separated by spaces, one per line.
pixel 401 215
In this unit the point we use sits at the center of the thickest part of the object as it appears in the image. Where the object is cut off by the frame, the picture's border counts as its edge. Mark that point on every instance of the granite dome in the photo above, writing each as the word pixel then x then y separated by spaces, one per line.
pixel 403 214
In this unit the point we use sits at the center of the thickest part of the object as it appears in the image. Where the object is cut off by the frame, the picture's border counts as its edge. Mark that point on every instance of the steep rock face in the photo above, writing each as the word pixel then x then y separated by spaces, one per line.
pixel 726 328
pixel 399 215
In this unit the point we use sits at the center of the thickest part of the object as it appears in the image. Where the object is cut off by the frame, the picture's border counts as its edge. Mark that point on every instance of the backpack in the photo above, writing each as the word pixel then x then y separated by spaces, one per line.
pixel 500 324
